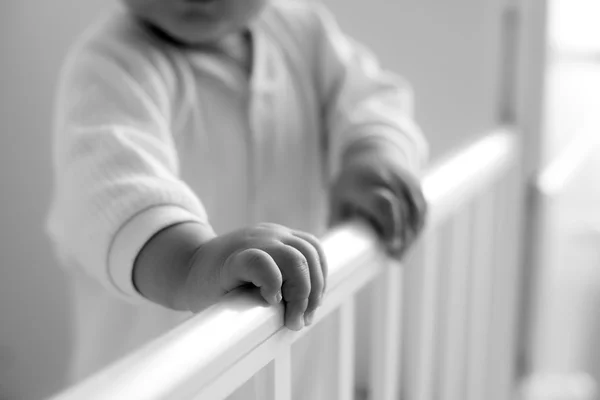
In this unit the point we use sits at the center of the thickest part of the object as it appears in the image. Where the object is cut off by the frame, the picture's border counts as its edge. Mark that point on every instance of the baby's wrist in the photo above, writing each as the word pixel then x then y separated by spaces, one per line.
pixel 161 270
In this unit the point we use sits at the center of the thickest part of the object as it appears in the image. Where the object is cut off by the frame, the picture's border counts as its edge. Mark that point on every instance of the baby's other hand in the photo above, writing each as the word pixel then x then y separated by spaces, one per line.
pixel 285 264
pixel 377 187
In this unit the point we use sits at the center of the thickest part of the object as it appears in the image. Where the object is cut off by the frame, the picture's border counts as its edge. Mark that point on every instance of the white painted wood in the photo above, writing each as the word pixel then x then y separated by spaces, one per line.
pixel 504 294
pixel 263 383
pixel 411 302
pixel 506 280
pixel 480 301
pixel 283 375
pixel 428 320
pixel 457 180
pixel 454 309
pixel 260 365
pixel 346 350
pixel 516 244
pixel 274 382
pixel 386 334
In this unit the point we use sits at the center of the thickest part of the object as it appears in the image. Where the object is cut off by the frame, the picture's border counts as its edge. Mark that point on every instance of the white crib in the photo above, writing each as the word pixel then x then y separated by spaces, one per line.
pixel 443 325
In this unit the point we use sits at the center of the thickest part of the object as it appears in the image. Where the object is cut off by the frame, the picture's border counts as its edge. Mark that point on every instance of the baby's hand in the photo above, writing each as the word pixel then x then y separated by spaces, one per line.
pixel 375 186
pixel 285 264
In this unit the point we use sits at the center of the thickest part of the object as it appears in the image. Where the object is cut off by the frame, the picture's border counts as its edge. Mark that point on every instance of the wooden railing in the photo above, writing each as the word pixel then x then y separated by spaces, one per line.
pixel 438 324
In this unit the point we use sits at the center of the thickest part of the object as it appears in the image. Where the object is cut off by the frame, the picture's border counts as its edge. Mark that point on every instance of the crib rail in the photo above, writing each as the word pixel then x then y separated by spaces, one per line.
pixel 421 344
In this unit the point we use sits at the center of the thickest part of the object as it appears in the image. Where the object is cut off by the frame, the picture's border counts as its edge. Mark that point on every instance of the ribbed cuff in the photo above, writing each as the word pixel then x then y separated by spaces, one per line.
pixel 132 237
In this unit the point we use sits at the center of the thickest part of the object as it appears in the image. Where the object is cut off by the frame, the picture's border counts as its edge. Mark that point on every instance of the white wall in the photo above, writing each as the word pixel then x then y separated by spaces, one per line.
pixel 33 320
pixel 446 48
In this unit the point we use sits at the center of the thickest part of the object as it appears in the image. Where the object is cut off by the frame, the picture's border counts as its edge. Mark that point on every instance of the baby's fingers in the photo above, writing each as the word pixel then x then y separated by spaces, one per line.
pixel 296 286
pixel 409 187
pixel 317 280
pixel 378 206
pixel 385 210
pixel 316 243
pixel 382 209
pixel 258 267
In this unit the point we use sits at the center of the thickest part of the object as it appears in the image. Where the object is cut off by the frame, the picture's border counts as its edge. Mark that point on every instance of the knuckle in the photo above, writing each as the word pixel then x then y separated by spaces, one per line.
pixel 310 249
pixel 269 226
pixel 300 282
pixel 298 261
pixel 296 307
pixel 300 293
pixel 254 238
pixel 269 231
pixel 317 288
pixel 294 294
pixel 312 239
pixel 254 258
pixel 302 273
pixel 259 264
pixel 247 237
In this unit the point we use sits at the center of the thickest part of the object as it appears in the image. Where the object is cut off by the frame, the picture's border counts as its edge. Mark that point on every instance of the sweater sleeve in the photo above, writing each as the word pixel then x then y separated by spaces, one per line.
pixel 115 168
pixel 362 101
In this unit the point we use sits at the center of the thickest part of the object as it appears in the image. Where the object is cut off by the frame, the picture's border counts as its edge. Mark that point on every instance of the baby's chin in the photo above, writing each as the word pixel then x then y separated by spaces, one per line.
pixel 196 23
pixel 198 35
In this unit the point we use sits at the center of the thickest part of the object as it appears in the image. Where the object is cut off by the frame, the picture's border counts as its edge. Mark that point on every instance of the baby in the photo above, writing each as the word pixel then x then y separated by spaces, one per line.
pixel 204 145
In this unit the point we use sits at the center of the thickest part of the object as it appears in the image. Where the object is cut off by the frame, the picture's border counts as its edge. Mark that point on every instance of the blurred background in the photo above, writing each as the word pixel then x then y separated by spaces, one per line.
pixel 455 53
pixel 564 337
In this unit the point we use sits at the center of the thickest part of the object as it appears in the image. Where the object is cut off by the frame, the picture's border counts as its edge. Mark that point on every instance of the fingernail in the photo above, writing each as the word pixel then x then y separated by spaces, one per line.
pixel 308 318
pixel 275 299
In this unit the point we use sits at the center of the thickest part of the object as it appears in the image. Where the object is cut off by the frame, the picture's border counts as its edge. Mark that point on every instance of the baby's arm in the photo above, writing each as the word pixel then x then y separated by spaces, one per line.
pixel 122 214
pixel 376 149
pixel 116 166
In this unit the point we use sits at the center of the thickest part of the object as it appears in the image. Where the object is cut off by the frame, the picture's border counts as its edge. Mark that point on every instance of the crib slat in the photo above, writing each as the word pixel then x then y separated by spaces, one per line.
pixel 411 298
pixel 261 382
pixel 264 383
pixel 283 375
pixel 272 382
pixel 455 315
pixel 480 297
pixel 275 381
pixel 428 317
pixel 386 334
pixel 506 276
pixel 346 350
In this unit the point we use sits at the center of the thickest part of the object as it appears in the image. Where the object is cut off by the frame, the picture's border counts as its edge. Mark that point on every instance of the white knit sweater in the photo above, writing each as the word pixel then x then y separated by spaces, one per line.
pixel 148 135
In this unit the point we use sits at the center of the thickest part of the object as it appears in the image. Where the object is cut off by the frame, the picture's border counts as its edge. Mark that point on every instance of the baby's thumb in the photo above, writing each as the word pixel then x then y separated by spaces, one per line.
pixel 257 267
